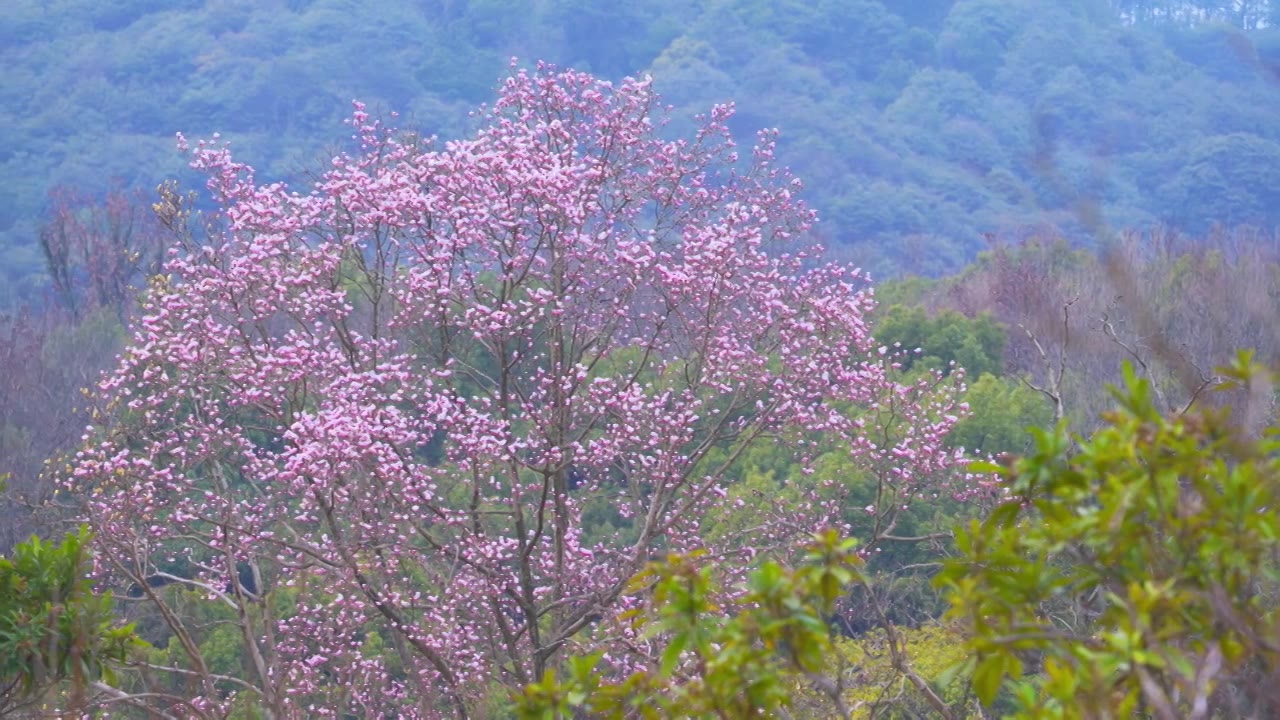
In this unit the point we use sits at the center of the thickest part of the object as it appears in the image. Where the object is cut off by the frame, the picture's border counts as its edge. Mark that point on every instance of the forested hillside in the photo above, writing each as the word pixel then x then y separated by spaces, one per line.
pixel 919 126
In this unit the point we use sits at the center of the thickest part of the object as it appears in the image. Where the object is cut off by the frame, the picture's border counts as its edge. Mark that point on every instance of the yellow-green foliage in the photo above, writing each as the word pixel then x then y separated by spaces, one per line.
pixel 874 689
pixel 882 692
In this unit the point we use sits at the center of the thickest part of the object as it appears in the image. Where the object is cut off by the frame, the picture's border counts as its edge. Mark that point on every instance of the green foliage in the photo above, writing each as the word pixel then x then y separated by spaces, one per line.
pixel 53 627
pixel 1135 575
pixel 713 664
pixel 975 344
pixel 1002 412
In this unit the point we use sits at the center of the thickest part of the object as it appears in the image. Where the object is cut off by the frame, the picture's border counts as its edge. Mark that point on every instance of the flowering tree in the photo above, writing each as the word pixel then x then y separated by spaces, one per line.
pixel 366 421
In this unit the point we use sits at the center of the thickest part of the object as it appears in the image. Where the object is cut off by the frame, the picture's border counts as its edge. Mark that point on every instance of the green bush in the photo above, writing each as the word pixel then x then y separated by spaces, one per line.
pixel 1132 576
pixel 54 630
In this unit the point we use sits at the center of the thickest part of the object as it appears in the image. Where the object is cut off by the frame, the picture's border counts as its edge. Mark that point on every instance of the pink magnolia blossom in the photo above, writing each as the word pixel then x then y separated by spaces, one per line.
pixel 391 398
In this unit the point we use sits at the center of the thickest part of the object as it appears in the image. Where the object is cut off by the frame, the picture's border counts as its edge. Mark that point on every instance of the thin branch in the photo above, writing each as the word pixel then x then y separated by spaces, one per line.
pixel 136 700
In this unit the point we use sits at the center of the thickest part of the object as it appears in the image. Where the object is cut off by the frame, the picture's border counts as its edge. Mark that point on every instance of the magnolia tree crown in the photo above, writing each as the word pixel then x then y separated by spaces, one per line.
pixel 411 433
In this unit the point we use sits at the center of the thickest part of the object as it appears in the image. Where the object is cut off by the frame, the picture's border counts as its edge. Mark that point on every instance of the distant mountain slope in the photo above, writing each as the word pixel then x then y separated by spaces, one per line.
pixel 918 129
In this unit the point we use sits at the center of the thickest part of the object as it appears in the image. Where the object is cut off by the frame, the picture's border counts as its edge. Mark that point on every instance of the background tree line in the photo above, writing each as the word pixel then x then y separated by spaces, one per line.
pixel 921 126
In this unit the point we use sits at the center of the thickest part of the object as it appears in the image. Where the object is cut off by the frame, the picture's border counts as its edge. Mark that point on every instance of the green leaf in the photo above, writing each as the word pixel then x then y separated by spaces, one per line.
pixel 671 655
pixel 987 677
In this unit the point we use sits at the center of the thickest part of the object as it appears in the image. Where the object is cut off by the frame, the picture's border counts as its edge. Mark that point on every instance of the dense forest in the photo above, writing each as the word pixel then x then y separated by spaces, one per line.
pixel 554 384
pixel 919 126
